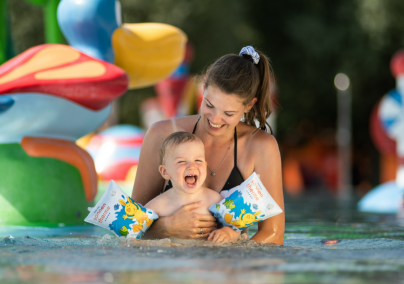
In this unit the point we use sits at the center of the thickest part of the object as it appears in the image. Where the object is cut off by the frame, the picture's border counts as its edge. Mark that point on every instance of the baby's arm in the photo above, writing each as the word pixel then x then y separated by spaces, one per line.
pixel 224 234
pixel 212 197
pixel 155 204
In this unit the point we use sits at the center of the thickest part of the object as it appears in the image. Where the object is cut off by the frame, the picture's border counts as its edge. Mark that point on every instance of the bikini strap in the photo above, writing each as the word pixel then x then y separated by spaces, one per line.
pixel 235 147
pixel 193 131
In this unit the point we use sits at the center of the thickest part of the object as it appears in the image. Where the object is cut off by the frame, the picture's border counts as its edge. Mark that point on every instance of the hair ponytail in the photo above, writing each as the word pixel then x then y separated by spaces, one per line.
pixel 263 107
pixel 238 74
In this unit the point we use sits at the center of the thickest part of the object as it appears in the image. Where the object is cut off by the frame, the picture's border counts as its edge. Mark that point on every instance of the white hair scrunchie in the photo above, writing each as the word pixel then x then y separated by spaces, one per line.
pixel 249 50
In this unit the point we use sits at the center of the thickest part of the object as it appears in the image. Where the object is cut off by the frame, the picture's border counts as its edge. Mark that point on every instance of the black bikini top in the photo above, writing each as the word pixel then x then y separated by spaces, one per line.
pixel 235 177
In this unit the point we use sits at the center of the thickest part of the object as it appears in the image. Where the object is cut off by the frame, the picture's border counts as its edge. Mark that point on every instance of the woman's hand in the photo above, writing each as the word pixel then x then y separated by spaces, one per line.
pixel 223 235
pixel 183 224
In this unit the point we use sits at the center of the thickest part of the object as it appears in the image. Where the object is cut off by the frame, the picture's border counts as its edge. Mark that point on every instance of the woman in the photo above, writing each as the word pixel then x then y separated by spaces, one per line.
pixel 236 87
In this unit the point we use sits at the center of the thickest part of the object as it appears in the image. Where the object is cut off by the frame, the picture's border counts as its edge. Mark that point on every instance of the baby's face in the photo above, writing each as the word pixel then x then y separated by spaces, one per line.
pixel 185 165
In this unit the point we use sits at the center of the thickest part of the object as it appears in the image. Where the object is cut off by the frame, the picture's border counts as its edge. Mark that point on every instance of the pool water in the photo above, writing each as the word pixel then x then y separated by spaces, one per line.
pixel 326 241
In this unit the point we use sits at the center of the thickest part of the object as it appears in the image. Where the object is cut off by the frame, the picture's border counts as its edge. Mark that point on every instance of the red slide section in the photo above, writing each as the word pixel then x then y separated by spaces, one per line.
pixel 63 71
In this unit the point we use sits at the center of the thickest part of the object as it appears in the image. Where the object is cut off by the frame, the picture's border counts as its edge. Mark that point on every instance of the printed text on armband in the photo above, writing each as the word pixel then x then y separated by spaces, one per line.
pixel 253 188
pixel 99 211
pixel 103 214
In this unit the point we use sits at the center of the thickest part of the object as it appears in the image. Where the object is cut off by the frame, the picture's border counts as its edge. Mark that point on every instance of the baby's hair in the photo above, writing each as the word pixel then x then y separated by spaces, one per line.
pixel 176 139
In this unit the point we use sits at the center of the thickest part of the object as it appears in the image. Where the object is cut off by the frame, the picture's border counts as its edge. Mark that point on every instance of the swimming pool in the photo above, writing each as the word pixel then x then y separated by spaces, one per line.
pixel 325 242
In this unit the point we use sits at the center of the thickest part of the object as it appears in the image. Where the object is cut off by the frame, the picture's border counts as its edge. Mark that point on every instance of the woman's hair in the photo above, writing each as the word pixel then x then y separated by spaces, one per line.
pixel 235 74
pixel 176 139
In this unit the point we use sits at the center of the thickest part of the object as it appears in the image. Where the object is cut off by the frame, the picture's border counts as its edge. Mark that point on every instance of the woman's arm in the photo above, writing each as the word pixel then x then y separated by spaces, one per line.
pixel 149 182
pixel 268 166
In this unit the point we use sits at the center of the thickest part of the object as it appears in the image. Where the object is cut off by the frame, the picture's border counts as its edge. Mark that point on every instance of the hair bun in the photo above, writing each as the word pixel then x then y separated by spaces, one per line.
pixel 249 50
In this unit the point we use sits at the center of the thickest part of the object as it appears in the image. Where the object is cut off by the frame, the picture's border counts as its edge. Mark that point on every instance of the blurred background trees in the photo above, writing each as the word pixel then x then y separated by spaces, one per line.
pixel 308 42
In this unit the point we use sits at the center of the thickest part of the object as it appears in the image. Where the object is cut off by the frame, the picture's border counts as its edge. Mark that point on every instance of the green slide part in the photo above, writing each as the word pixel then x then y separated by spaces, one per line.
pixel 34 190
pixel 6 44
pixel 3 31
pixel 38 2
pixel 10 48
pixel 53 34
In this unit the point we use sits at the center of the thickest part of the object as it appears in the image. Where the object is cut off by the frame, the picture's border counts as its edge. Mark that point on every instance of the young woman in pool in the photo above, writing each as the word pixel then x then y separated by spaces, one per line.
pixel 236 95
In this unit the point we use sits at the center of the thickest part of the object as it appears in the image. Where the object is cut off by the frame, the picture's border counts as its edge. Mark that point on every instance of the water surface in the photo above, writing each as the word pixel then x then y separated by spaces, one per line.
pixel 325 242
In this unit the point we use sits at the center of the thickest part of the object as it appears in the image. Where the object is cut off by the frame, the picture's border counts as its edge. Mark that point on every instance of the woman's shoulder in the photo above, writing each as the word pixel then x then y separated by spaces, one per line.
pixel 163 128
pixel 256 140
pixel 160 130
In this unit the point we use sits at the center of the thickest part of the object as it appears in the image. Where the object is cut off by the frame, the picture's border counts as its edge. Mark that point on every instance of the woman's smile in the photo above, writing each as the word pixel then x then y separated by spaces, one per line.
pixel 214 126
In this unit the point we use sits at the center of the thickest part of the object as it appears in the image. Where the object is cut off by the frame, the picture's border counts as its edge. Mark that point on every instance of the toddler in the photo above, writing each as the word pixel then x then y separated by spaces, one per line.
pixel 182 160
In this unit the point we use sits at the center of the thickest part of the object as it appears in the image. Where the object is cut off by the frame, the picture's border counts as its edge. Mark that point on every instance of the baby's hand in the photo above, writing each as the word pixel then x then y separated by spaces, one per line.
pixel 223 235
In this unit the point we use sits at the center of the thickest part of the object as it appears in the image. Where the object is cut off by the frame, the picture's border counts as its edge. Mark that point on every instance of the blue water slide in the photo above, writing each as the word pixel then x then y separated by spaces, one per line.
pixel 88 25
pixel 385 198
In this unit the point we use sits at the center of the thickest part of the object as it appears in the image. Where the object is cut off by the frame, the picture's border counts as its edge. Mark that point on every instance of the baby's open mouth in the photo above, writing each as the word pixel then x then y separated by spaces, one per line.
pixel 191 180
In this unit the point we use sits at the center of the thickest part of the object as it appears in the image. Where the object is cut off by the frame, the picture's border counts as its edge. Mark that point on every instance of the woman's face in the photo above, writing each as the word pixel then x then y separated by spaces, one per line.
pixel 221 112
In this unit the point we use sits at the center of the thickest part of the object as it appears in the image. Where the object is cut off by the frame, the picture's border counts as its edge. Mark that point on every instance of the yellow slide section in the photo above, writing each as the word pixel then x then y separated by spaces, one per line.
pixel 148 52
pixel 46 58
pixel 88 69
